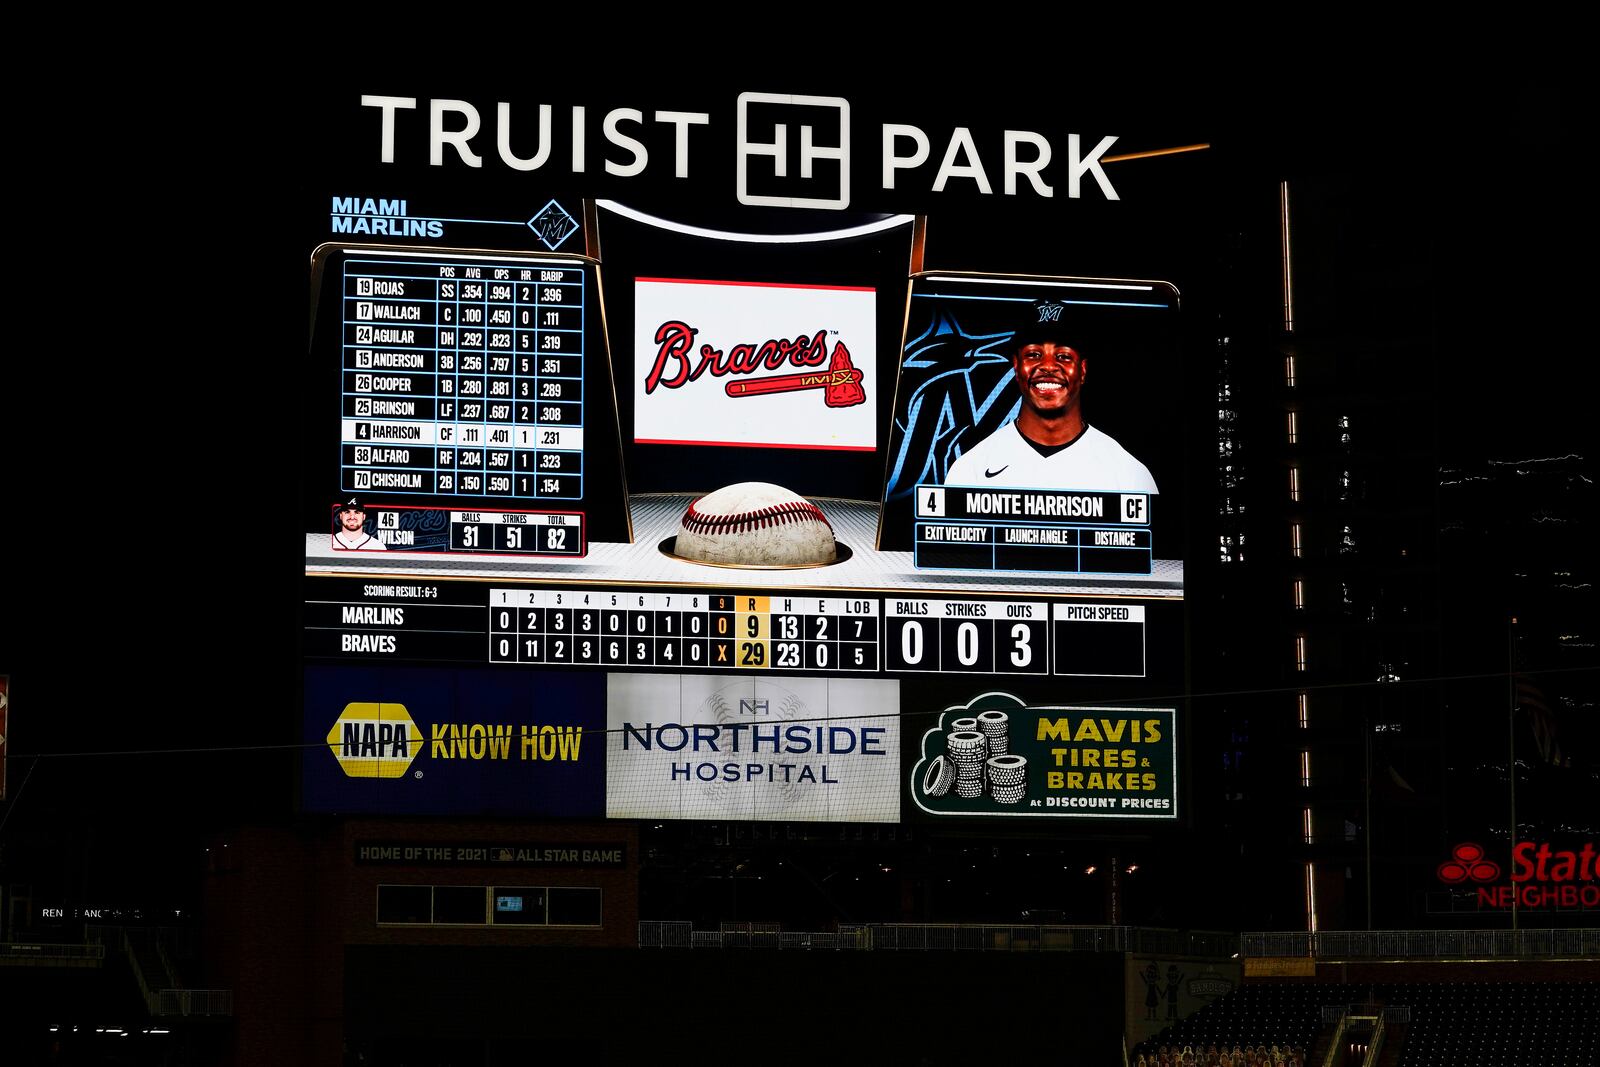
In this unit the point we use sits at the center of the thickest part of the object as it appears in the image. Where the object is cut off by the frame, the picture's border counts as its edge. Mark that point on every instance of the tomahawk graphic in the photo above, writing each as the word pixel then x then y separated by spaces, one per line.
pixel 842 382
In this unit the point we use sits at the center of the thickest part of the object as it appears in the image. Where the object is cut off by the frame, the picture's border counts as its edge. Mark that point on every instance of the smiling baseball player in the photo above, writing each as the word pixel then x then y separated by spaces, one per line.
pixel 1049 445
pixel 352 536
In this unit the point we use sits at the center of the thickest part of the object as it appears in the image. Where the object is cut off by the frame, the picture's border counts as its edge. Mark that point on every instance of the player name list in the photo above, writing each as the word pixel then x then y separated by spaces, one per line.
pixel 732 631
pixel 463 379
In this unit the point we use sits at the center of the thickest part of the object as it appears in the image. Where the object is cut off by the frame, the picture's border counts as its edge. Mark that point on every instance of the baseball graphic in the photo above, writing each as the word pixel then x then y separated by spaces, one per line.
pixel 733 797
pixel 755 524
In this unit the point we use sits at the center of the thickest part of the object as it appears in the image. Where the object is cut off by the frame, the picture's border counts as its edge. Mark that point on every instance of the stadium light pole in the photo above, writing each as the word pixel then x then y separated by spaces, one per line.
pixel 1511 751
pixel 1366 832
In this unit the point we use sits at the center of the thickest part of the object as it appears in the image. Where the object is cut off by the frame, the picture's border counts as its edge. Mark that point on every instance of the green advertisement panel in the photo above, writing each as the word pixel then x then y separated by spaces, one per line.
pixel 997 755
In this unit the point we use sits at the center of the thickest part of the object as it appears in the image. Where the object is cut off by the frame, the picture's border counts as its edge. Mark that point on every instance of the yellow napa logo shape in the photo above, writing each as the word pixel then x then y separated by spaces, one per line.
pixel 374 740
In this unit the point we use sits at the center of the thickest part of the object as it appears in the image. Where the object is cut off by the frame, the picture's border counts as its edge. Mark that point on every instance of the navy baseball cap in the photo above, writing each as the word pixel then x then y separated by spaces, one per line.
pixel 354 505
pixel 1043 321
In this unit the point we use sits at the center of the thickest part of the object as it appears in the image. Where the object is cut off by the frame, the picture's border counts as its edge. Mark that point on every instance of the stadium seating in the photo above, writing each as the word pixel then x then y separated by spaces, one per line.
pixel 1452 1024
pixel 1500 1024
pixel 1285 1014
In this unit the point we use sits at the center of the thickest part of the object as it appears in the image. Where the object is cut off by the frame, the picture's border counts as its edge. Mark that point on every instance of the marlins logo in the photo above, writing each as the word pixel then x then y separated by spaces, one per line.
pixel 957 381
pixel 553 225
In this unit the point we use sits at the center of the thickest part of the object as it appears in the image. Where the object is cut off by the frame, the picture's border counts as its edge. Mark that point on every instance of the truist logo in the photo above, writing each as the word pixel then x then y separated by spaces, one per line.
pixel 1467 862
pixel 675 366
pixel 1541 877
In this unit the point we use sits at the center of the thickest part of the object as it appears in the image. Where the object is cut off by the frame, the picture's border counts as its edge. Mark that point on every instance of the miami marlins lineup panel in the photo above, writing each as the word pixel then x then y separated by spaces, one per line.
pixel 462 378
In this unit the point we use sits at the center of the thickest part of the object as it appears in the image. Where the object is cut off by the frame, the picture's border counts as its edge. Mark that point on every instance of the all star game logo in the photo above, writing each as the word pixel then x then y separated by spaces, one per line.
pixel 374 740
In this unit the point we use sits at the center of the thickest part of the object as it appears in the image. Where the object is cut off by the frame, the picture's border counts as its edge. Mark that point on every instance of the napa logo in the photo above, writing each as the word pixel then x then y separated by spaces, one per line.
pixel 374 740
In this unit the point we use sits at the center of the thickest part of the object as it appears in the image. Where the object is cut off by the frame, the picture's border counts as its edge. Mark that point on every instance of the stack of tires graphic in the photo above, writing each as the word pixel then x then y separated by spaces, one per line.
pixel 977 750
pixel 967 749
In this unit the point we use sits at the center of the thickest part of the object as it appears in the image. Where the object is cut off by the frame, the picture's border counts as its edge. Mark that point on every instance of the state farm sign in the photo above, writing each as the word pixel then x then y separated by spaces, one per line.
pixel 1541 876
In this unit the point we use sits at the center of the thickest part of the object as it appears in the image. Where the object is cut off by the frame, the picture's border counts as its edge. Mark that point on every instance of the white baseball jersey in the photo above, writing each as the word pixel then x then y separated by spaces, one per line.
pixel 358 542
pixel 1094 463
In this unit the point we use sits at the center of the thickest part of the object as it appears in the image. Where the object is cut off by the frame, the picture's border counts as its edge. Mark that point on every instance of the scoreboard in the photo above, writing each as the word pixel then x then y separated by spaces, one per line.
pixel 495 495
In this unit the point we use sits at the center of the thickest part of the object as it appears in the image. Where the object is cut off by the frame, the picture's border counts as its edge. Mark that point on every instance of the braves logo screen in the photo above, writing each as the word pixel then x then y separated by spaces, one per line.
pixel 761 365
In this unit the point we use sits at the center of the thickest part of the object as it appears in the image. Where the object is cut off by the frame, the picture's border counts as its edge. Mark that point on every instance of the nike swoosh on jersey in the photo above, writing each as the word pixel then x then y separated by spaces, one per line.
pixel 995 474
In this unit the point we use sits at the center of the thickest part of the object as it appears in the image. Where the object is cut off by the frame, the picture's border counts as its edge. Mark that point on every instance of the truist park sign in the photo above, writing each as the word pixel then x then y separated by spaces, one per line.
pixel 787 150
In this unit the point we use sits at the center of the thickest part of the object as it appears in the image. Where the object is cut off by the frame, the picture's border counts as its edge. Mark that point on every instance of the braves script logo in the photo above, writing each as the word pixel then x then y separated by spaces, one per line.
pixel 840 381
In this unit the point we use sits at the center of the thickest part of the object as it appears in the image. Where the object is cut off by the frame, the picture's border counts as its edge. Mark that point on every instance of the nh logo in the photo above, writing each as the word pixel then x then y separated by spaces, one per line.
pixel 757 706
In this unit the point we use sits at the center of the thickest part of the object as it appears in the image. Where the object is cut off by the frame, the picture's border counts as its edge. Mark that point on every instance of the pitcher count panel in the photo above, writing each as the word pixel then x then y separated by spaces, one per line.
pixel 463 378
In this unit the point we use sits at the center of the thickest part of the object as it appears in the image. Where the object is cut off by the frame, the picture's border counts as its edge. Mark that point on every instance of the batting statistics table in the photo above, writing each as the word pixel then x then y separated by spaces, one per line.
pixel 463 378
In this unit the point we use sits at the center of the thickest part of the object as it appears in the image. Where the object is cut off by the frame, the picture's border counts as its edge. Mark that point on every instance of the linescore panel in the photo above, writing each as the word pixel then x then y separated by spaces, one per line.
pixel 697 629
pixel 687 630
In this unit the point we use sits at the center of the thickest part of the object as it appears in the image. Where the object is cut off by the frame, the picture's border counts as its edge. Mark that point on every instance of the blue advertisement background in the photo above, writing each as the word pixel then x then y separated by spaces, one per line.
pixel 460 786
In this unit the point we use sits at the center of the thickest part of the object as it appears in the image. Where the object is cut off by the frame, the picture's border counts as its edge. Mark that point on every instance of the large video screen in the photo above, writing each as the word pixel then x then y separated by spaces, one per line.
pixel 666 523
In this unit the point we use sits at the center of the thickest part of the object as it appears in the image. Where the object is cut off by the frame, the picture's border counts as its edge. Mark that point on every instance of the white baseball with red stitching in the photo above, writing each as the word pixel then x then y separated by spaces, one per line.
pixel 756 524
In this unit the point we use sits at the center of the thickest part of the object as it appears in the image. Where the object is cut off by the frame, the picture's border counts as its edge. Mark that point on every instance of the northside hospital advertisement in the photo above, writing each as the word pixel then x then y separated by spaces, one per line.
pixel 791 749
